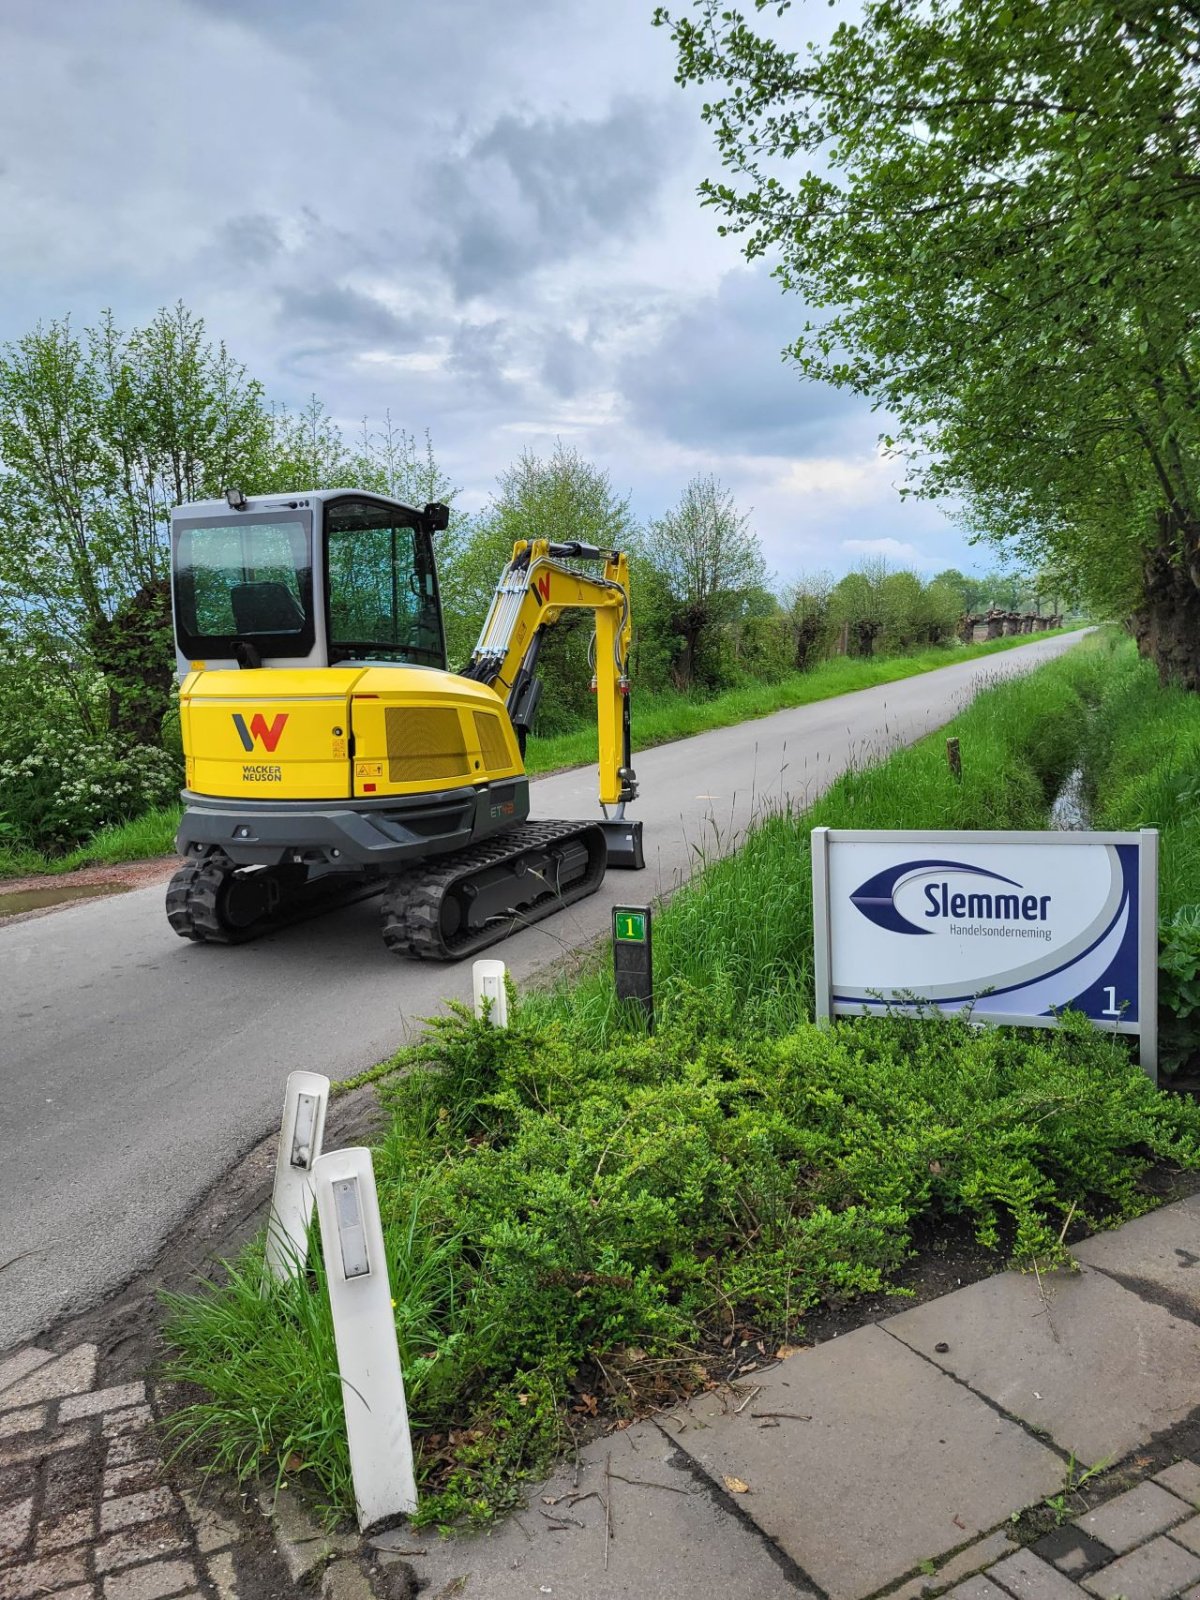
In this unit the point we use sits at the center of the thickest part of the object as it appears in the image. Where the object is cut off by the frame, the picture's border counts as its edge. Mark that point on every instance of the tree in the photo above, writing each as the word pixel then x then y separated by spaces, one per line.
pixel 710 563
pixel 996 213
pixel 806 607
pixel 562 498
pixel 100 436
pixel 857 608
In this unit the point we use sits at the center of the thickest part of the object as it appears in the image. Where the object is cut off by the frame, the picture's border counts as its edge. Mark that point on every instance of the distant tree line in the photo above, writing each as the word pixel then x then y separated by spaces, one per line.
pixel 992 215
pixel 102 432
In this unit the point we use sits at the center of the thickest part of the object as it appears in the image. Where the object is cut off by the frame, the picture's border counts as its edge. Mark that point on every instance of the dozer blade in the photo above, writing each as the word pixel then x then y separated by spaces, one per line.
pixel 624 841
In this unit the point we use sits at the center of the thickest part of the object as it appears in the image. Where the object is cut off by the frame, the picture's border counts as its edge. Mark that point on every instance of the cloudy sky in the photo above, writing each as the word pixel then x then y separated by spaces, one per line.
pixel 480 214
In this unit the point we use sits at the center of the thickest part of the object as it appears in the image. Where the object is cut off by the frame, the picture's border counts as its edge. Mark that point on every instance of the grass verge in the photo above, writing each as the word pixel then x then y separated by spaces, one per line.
pixel 580 1218
pixel 658 720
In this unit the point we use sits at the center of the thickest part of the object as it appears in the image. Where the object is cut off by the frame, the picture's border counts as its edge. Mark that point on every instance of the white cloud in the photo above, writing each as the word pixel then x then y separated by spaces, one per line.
pixel 328 221
pixel 893 550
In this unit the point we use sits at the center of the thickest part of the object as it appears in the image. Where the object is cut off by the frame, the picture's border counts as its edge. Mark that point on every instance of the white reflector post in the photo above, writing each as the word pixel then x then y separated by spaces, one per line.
pixel 300 1135
pixel 490 985
pixel 360 1296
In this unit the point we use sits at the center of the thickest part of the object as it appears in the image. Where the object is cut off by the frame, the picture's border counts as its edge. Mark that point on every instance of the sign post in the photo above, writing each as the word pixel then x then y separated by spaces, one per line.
pixel 1008 927
pixel 633 958
pixel 491 992
pixel 301 1132
pixel 364 1330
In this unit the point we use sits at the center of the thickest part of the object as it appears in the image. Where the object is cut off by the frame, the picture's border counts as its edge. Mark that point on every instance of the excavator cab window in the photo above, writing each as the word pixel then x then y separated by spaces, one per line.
pixel 247 580
pixel 383 598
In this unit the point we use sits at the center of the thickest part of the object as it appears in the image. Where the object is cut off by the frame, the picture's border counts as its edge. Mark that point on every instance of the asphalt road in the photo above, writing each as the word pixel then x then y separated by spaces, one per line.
pixel 135 1068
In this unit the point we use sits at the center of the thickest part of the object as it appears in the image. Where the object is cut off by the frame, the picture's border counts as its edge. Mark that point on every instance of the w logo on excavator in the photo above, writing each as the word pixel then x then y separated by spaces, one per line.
pixel 541 588
pixel 259 729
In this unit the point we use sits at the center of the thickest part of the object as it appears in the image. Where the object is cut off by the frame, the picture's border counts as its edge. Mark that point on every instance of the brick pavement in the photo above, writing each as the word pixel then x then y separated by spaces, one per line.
pixel 86 1512
pixel 1140 1544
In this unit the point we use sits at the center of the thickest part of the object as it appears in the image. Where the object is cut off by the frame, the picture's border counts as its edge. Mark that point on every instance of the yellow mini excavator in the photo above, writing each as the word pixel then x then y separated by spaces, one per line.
pixel 330 754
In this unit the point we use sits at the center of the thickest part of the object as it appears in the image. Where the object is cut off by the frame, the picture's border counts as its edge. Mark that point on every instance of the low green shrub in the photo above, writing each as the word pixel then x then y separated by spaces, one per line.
pixel 563 1225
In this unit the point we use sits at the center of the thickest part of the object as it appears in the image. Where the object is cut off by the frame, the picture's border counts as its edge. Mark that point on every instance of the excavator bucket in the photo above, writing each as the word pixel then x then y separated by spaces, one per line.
pixel 624 841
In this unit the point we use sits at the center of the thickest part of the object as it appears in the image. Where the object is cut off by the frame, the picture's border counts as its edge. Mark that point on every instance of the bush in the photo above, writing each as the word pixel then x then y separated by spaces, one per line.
pixel 563 1222
pixel 57 794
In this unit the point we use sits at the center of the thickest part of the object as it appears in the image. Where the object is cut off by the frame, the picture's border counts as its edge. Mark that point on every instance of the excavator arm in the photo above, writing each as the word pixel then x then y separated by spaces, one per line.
pixel 534 591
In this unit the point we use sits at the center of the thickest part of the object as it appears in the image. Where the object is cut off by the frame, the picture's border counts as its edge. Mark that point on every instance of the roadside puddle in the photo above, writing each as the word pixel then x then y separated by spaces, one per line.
pixel 37 899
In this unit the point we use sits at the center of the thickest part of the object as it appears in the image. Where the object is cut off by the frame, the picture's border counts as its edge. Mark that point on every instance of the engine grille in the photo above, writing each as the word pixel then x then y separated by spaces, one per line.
pixel 425 744
pixel 492 744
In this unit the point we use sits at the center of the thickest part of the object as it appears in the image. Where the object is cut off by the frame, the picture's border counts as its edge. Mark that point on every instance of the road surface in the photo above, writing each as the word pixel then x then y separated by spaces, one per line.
pixel 135 1068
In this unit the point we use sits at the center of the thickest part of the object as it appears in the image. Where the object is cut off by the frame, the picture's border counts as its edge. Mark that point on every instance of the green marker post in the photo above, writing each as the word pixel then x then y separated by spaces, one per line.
pixel 633 958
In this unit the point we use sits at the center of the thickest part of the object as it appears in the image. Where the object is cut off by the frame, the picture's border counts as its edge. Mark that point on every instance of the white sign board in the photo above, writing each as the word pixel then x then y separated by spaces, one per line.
pixel 1014 927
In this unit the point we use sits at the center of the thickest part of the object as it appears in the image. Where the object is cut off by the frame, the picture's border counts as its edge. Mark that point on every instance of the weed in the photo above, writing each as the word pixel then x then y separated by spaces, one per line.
pixel 1069 1502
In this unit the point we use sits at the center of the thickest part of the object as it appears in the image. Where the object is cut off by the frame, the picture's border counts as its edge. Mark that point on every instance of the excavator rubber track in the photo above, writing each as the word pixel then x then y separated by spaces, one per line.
pixel 214 902
pixel 453 906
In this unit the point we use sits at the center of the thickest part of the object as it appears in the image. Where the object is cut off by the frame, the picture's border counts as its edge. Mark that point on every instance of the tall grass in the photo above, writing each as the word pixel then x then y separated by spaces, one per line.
pixel 740 931
pixel 661 718
pixel 1142 769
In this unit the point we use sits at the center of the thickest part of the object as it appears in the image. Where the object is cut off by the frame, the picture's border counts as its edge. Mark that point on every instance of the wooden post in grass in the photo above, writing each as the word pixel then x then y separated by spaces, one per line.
pixel 954 759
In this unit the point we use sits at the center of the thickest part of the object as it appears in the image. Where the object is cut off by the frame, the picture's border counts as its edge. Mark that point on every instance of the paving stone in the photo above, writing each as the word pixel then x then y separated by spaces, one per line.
pixel 132 1447
pixel 1152 1572
pixel 15 1523
pixel 134 1508
pixel 1028 1577
pixel 1159 1248
pixel 133 1419
pixel 1188 1534
pixel 29 1420
pixel 1091 1363
pixel 345 1580
pixel 151 1582
pixel 20 1449
pixel 144 1474
pixel 69 1479
pixel 87 1405
pixel 212 1530
pixel 1132 1517
pixel 18 1364
pixel 973 1559
pixel 677 1542
pixel 978 1588
pixel 223 1576
pixel 69 1374
pixel 1182 1479
pixel 1072 1551
pixel 882 1420
pixel 60 1533
pixel 141 1543
pixel 37 1578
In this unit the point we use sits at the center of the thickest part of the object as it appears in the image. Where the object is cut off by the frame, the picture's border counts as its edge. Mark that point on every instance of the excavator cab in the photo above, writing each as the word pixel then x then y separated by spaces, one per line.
pixel 328 751
pixel 311 581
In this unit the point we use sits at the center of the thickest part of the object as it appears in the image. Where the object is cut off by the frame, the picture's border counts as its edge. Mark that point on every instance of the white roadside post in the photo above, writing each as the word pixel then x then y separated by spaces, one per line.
pixel 364 1327
pixel 300 1135
pixel 489 983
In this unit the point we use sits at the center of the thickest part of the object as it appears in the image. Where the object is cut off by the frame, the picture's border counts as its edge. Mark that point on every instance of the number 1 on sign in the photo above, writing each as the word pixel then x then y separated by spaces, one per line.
pixel 1112 1009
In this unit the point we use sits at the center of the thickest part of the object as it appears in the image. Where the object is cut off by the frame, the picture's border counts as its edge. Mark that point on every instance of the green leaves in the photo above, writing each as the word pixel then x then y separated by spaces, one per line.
pixel 997 204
